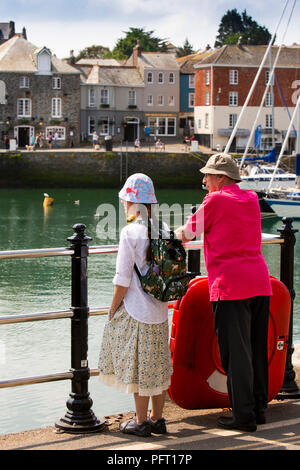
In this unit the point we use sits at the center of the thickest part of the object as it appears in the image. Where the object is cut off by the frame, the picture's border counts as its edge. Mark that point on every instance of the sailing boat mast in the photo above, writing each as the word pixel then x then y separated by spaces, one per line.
pixel 270 80
pixel 272 100
pixel 253 84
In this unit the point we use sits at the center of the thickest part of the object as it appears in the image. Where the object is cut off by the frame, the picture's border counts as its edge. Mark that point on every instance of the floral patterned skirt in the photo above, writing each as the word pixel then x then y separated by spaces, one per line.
pixel 135 357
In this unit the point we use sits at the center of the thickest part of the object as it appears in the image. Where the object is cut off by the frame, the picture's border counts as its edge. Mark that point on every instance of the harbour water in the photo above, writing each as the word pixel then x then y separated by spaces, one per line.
pixel 43 284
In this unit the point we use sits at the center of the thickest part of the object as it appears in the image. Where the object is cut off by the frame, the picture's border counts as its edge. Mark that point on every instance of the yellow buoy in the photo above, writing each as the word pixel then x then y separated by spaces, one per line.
pixel 48 201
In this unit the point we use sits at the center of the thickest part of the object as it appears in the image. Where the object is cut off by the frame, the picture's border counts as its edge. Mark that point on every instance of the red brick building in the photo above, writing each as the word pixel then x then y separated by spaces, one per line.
pixel 223 81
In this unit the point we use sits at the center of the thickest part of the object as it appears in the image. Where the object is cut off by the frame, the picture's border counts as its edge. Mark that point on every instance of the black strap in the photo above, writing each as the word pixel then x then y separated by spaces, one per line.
pixel 137 271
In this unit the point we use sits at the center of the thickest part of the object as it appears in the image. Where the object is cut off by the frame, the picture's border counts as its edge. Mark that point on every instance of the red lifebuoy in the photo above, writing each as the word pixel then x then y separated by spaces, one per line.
pixel 198 380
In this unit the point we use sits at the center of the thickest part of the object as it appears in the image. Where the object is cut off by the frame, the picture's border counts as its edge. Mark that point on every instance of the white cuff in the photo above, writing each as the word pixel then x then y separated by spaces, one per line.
pixel 121 280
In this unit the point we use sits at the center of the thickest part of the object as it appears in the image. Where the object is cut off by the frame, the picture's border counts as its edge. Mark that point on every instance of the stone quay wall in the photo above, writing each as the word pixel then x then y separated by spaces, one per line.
pixel 88 169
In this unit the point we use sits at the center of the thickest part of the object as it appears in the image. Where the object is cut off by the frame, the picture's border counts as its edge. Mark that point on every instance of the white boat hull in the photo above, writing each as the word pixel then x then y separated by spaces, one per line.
pixel 284 207
pixel 263 184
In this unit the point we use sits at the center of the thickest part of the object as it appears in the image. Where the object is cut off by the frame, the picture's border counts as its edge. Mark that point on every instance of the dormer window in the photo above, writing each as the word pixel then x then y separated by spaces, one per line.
pixel 44 61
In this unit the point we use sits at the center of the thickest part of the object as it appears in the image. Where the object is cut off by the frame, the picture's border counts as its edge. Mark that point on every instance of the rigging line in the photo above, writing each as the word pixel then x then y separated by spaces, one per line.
pixel 267 88
pixel 254 83
pixel 285 103
pixel 284 143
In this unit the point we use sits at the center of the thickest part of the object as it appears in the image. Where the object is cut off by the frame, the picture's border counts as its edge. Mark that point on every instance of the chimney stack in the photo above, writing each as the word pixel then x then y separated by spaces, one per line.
pixel 71 59
pixel 11 29
pixel 239 43
pixel 136 53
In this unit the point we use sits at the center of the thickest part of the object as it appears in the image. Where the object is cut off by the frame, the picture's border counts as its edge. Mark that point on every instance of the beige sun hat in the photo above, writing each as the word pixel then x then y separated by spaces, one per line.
pixel 222 164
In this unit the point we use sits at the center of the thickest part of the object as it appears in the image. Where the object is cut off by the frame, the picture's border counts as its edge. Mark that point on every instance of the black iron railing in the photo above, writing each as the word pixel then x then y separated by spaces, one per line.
pixel 80 418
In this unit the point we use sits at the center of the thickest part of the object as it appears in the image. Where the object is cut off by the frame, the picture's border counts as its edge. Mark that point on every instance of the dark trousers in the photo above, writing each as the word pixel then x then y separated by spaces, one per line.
pixel 242 331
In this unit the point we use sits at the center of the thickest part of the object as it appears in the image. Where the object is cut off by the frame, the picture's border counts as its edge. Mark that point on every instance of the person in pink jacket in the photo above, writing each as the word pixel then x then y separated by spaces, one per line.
pixel 239 287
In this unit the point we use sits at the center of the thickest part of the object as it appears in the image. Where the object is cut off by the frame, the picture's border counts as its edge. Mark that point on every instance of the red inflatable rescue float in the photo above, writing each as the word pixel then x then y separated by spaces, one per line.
pixel 198 380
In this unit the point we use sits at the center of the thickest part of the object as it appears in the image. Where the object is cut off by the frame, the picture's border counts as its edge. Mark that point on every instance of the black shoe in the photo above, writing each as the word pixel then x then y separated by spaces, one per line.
pixel 260 417
pixel 132 427
pixel 159 426
pixel 231 423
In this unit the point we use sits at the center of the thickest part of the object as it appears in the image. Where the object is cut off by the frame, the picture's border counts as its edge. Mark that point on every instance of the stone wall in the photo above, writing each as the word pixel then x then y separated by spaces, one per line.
pixel 95 170
pixel 41 92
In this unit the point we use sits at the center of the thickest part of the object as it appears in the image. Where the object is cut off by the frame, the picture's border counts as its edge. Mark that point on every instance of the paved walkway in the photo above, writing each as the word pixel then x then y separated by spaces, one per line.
pixel 188 430
pixel 169 148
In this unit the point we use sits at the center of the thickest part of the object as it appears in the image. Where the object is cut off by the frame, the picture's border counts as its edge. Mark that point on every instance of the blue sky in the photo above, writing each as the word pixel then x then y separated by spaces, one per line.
pixel 62 25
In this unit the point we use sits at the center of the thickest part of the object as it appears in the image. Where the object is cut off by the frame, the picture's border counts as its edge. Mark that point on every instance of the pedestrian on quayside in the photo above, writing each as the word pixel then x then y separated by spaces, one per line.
pixel 135 355
pixel 239 287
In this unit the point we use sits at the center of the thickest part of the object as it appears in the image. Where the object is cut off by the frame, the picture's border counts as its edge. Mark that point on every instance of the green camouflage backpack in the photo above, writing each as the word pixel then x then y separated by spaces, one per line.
pixel 167 277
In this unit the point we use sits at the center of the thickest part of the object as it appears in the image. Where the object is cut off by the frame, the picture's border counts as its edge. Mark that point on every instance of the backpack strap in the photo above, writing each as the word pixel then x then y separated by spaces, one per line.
pixel 142 222
pixel 137 271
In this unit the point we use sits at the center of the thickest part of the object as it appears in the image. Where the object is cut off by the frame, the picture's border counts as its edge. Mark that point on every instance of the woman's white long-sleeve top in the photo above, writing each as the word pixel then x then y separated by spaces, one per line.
pixel 133 246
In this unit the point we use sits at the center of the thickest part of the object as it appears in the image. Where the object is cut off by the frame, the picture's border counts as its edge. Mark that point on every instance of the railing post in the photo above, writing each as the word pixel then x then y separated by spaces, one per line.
pixel 79 418
pixel 289 388
pixel 194 256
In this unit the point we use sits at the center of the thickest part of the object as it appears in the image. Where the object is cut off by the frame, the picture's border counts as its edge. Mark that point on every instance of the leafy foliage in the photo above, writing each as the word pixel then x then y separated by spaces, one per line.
pixel 94 52
pixel 148 43
pixel 124 46
pixel 186 49
pixel 235 26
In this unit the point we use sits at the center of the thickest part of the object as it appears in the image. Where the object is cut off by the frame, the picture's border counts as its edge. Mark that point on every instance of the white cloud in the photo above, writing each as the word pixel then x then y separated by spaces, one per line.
pixel 64 25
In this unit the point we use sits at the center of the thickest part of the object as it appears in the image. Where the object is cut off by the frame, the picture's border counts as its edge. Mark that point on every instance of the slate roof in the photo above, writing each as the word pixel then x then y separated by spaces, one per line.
pixel 103 62
pixel 153 60
pixel 187 62
pixel 19 55
pixel 111 76
pixel 251 56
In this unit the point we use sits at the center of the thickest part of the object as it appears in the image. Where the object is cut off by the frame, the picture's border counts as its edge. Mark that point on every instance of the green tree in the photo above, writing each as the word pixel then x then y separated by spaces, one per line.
pixel 94 52
pixel 186 49
pixel 148 43
pixel 234 25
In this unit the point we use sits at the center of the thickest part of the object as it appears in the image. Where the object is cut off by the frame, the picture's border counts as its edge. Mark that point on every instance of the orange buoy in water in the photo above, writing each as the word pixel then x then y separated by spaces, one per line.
pixel 198 380
pixel 48 201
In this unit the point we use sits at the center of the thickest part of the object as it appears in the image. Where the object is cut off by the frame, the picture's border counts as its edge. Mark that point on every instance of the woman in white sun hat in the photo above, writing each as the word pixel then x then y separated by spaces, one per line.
pixel 135 355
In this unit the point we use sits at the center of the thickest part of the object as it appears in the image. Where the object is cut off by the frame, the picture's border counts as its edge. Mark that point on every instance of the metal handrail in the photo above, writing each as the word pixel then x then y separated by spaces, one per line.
pixel 27 317
pixel 78 313
pixel 38 379
pixel 105 249
pixel 101 249
pixel 36 253
pixel 9 319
